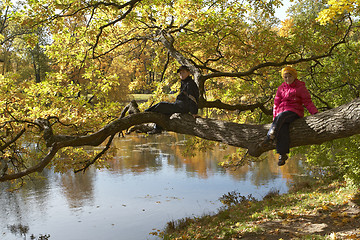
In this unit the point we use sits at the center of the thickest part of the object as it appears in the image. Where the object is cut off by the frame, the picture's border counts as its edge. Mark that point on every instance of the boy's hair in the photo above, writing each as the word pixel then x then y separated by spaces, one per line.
pixel 183 67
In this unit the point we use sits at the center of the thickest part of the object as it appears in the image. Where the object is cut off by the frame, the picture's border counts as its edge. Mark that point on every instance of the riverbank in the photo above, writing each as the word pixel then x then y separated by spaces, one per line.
pixel 141 97
pixel 309 211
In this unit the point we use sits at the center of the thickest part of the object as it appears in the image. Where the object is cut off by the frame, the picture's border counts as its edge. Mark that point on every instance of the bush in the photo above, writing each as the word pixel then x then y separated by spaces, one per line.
pixel 336 159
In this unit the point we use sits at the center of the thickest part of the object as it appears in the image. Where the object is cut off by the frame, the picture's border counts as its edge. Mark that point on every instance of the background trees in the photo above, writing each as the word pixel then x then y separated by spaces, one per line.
pixel 92 51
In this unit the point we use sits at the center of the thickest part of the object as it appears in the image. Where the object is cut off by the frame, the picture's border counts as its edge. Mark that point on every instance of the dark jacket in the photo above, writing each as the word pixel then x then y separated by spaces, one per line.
pixel 189 92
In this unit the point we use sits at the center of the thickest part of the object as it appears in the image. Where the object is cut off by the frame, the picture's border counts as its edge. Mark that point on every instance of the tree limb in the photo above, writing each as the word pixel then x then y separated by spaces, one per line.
pixel 130 5
pixel 236 107
pixel 336 123
pixel 7 144
pixel 89 163
pixel 37 168
pixel 166 38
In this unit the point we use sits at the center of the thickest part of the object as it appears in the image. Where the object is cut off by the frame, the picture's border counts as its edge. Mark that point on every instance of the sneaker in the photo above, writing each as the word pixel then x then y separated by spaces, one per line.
pixel 271 134
pixel 155 131
pixel 282 159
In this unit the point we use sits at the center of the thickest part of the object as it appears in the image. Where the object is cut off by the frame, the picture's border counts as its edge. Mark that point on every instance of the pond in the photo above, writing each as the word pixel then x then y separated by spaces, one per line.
pixel 148 184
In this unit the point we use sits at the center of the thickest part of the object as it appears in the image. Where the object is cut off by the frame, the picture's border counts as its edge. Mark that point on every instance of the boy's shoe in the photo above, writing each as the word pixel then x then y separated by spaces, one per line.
pixel 282 159
pixel 155 131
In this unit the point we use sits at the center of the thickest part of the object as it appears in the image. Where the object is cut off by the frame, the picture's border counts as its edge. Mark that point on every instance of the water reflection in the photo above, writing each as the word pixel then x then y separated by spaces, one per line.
pixel 138 154
pixel 147 184
pixel 78 189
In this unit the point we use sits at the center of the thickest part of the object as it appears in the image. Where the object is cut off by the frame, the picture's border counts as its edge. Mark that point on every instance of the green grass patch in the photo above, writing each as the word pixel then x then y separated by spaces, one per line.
pixel 279 216
pixel 141 97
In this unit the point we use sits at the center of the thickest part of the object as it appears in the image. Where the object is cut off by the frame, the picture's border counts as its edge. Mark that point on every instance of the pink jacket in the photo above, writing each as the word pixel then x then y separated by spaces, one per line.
pixel 292 97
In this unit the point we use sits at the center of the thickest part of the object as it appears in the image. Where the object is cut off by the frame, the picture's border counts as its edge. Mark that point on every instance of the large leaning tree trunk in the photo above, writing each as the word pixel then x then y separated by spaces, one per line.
pixel 340 122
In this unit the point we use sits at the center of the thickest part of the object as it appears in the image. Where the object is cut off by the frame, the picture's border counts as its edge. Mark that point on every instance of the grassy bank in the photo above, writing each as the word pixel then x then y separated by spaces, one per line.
pixel 309 211
pixel 141 97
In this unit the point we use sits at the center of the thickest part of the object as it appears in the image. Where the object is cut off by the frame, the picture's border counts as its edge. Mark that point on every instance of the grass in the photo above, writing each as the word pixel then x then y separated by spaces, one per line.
pixel 297 215
pixel 141 97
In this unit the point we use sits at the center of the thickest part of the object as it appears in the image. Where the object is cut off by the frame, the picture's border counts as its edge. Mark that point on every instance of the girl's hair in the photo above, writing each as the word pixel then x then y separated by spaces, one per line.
pixel 290 70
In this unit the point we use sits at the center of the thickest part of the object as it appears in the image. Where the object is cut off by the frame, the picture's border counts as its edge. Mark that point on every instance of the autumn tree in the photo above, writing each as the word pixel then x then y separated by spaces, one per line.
pixel 337 9
pixel 234 49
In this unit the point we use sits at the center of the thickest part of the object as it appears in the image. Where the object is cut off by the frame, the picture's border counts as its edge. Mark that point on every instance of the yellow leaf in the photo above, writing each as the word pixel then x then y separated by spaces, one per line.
pixel 333 236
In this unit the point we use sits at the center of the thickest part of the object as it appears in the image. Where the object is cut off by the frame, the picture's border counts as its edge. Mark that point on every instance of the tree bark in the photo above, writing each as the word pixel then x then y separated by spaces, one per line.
pixel 340 122
pixel 336 123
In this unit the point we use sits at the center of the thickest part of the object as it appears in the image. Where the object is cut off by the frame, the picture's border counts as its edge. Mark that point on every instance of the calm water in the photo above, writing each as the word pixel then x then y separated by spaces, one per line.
pixel 148 184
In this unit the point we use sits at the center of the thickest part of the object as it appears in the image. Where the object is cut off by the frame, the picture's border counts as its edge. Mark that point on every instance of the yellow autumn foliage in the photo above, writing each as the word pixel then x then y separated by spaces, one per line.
pixel 337 7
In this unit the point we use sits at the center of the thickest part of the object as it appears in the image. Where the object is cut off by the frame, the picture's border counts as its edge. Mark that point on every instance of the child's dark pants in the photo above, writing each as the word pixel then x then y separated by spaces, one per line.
pixel 280 129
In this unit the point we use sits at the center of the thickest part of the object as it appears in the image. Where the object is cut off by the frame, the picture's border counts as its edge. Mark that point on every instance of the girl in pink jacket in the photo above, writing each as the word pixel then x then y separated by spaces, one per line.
pixel 290 99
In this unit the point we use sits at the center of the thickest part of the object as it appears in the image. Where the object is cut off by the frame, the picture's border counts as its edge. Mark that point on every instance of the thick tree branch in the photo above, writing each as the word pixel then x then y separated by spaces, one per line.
pixel 271 64
pixel 168 41
pixel 236 107
pixel 340 122
pixel 336 123
pixel 37 168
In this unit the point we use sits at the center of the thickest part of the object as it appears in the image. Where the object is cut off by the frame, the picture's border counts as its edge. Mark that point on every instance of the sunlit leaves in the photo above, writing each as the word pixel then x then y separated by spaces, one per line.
pixel 338 158
pixel 336 8
pixel 97 52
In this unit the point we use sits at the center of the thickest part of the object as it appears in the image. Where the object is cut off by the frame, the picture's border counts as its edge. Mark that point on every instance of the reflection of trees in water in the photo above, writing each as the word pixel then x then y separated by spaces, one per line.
pixel 263 172
pixel 151 153
pixel 145 154
pixel 141 153
pixel 18 229
pixel 23 230
pixel 79 188
pixel 136 154
pixel 11 205
pixel 18 206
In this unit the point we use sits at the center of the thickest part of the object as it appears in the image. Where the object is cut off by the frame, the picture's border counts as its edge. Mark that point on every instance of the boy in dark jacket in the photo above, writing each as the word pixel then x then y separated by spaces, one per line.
pixel 186 101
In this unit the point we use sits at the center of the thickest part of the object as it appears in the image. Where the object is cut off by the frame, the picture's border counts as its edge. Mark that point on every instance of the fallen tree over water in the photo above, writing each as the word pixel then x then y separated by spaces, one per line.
pixel 336 123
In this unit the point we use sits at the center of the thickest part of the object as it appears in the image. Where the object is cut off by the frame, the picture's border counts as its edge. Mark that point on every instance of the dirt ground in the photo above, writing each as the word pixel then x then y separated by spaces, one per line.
pixel 338 222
